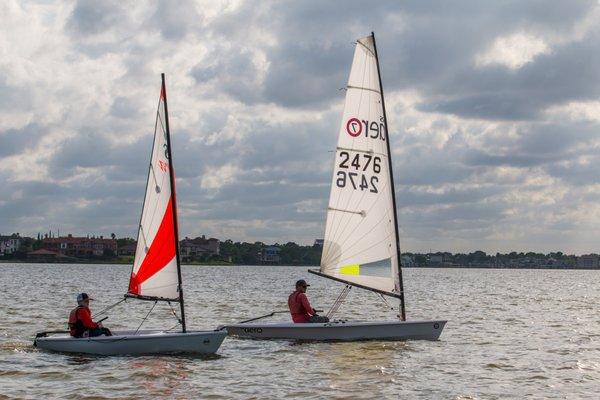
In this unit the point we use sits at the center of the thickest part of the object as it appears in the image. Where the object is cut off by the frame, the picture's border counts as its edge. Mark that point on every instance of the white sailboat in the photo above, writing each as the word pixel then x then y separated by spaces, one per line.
pixel 361 244
pixel 156 272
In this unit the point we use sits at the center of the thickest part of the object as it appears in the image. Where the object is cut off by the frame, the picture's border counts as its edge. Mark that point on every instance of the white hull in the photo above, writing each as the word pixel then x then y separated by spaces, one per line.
pixel 130 343
pixel 341 330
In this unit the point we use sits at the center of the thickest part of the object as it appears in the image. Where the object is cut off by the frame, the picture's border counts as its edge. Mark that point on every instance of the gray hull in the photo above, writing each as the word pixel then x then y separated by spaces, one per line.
pixel 341 330
pixel 130 343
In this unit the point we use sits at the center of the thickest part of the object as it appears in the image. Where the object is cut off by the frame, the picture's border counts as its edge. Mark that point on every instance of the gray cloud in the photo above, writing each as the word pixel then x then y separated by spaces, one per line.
pixel 15 141
pixel 255 109
pixel 92 17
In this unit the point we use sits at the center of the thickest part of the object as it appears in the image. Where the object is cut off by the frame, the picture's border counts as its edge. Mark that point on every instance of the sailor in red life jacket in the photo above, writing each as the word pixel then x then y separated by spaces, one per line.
pixel 80 320
pixel 300 307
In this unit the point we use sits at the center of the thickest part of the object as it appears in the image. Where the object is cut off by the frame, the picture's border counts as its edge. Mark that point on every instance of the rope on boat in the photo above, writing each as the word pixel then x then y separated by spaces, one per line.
pixel 173 327
pixel 175 315
pixel 146 317
pixel 110 307
pixel 386 302
pixel 220 328
pixel 338 302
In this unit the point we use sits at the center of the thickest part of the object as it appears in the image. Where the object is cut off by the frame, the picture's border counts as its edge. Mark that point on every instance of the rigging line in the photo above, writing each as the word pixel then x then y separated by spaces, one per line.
pixel 174 314
pixel 386 302
pixel 144 320
pixel 337 205
pixel 109 307
pixel 145 241
pixel 173 327
pixel 159 117
pixel 154 176
pixel 338 301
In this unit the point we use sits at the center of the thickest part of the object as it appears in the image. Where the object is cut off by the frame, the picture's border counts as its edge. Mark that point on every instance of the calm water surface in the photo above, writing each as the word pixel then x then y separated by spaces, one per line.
pixel 511 334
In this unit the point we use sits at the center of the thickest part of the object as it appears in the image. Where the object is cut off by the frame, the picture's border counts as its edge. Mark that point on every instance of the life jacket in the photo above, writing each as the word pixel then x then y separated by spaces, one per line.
pixel 297 309
pixel 76 327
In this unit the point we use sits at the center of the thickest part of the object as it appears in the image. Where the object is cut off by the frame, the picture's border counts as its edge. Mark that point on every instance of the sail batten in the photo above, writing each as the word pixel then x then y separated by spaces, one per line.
pixel 360 246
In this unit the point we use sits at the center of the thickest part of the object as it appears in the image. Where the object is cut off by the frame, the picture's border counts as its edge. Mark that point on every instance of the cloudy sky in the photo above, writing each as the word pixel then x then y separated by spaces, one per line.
pixel 493 107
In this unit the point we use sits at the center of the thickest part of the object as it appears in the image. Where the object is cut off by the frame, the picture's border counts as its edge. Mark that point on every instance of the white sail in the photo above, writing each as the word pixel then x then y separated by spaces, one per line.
pixel 360 234
pixel 154 273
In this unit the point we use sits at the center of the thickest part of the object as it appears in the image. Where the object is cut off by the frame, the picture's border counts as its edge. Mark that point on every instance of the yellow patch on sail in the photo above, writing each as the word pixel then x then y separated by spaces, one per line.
pixel 350 269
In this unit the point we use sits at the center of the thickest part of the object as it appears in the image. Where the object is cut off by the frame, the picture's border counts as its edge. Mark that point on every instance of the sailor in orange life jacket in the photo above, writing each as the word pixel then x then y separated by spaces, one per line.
pixel 80 320
pixel 300 308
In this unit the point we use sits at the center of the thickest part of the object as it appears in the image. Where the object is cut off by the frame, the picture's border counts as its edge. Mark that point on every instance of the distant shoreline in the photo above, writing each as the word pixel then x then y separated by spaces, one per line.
pixel 225 264
pixel 113 262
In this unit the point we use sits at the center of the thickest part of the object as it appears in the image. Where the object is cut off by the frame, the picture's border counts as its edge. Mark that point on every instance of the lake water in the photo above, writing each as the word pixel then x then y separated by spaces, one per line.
pixel 511 334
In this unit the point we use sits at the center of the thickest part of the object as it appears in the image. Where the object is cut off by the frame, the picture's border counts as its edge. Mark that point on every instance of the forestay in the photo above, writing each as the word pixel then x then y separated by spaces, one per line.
pixel 154 273
pixel 360 234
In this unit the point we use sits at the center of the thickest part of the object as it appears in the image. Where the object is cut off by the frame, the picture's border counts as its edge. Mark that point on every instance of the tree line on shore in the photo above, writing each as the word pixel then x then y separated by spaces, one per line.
pixel 290 253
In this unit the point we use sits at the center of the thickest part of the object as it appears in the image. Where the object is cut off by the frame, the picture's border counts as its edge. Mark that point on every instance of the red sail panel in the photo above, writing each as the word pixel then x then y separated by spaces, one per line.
pixel 160 253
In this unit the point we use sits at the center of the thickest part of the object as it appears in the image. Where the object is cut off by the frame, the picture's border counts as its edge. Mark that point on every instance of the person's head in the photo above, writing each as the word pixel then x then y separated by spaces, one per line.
pixel 83 299
pixel 301 285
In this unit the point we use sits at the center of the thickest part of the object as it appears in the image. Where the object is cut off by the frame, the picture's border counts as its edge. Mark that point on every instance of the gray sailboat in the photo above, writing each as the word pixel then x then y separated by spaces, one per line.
pixel 361 244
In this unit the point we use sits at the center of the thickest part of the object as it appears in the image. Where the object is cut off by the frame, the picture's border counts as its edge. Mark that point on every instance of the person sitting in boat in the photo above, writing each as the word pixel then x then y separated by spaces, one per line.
pixel 300 307
pixel 80 320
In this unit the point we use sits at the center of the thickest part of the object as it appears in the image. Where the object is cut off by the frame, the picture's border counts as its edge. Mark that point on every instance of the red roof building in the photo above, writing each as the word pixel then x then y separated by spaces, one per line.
pixel 80 246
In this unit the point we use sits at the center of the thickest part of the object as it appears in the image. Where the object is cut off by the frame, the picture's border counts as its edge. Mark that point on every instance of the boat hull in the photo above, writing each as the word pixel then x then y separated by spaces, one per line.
pixel 340 330
pixel 131 343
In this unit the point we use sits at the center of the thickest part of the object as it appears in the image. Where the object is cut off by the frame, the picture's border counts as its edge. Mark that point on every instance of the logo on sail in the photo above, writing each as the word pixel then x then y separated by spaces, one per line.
pixel 354 127
pixel 372 129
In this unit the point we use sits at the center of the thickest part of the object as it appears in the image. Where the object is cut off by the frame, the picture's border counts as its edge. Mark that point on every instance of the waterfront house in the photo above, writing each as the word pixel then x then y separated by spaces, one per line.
pixel 588 261
pixel 270 255
pixel 190 249
pixel 10 244
pixel 127 250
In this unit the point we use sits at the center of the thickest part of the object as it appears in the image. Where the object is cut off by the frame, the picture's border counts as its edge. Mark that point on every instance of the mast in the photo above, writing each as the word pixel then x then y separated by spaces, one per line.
pixel 402 307
pixel 173 199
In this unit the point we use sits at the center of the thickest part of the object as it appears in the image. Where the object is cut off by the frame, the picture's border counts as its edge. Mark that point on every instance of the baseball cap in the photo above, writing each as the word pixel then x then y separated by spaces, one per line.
pixel 301 282
pixel 83 296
